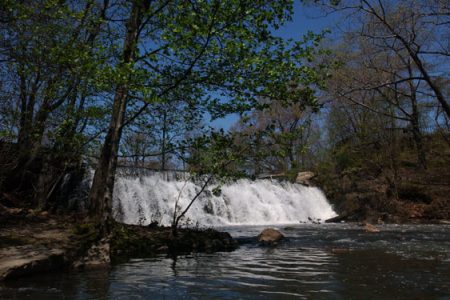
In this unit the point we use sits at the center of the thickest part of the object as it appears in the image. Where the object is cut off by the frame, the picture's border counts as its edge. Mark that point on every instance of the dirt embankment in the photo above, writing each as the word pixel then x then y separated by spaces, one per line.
pixel 399 192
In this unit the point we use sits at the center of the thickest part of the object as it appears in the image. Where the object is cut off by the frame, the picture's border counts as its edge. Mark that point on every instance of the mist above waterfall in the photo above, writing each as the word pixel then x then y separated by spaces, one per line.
pixel 141 200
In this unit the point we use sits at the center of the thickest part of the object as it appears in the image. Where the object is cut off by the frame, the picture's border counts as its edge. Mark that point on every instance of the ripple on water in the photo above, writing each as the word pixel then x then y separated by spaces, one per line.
pixel 401 262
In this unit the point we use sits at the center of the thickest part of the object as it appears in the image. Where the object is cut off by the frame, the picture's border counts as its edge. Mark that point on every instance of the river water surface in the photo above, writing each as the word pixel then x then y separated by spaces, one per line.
pixel 330 261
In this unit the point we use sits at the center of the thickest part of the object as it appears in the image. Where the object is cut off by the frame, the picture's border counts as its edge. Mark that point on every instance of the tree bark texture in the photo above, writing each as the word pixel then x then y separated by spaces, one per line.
pixel 101 193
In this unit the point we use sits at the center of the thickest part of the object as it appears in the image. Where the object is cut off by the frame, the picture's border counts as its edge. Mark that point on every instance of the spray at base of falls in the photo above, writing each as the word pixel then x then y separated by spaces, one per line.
pixel 141 200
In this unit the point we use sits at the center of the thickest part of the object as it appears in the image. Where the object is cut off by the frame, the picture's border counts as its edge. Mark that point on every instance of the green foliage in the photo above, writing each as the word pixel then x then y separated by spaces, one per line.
pixel 227 51
pixel 216 153
pixel 6 134
pixel 220 56
pixel 345 158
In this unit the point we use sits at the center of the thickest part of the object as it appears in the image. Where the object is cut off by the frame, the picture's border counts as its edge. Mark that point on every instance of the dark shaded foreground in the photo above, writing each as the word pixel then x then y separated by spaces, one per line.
pixel 315 262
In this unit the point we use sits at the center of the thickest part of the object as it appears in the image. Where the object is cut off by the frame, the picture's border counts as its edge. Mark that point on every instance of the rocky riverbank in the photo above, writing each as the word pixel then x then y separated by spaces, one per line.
pixel 32 243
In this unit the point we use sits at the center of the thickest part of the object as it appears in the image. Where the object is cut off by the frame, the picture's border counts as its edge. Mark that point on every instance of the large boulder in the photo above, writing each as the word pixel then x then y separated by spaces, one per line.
pixel 304 177
pixel 270 236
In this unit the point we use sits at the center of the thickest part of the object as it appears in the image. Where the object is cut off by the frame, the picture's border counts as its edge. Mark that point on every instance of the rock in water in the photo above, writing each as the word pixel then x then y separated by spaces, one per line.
pixel 370 228
pixel 270 236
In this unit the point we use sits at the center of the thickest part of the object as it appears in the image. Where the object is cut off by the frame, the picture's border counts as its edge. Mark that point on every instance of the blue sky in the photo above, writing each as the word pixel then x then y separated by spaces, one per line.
pixel 305 19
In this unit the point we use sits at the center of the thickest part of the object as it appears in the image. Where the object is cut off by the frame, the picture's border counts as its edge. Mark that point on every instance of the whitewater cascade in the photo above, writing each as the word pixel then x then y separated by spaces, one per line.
pixel 143 199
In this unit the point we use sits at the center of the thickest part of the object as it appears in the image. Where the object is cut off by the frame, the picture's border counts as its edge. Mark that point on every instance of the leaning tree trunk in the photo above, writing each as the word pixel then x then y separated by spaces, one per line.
pixel 100 196
pixel 415 124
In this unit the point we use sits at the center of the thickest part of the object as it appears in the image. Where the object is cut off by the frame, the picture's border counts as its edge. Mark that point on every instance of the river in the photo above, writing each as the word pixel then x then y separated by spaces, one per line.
pixel 328 261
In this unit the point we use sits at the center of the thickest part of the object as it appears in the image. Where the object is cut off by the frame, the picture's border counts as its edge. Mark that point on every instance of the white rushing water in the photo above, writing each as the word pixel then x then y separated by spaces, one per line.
pixel 245 202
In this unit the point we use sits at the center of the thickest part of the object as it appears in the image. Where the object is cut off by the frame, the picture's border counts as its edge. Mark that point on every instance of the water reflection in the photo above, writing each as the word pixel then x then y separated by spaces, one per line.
pixel 370 274
pixel 400 263
pixel 83 285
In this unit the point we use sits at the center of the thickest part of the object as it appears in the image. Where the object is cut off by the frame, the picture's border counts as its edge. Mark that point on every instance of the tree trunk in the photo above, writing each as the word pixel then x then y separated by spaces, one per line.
pixel 163 146
pixel 28 100
pixel 393 148
pixel 434 87
pixel 417 136
pixel 101 193
pixel 415 124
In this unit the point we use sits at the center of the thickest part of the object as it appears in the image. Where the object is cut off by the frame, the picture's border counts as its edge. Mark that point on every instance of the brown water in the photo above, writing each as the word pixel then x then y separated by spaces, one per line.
pixel 332 261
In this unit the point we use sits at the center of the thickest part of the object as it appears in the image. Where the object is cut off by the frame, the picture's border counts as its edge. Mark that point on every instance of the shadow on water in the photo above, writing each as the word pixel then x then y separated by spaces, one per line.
pixel 371 274
pixel 94 284
pixel 317 262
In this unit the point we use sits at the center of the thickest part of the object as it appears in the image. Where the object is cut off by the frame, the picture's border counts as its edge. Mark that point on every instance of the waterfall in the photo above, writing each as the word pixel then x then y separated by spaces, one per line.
pixel 141 200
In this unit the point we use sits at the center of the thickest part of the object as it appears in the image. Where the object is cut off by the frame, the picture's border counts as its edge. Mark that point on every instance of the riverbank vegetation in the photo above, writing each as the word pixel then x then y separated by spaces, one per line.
pixel 389 118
